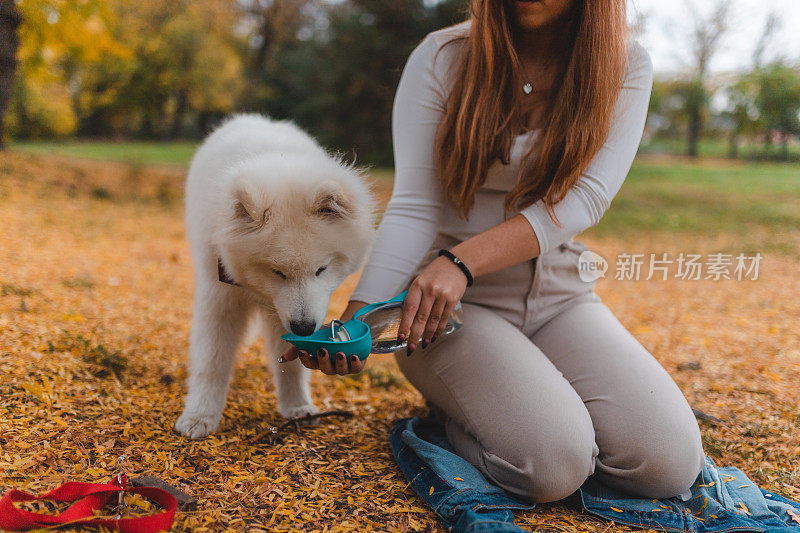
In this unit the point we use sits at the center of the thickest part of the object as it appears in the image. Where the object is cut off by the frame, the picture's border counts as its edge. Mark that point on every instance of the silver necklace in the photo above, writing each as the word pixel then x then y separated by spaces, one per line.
pixel 527 87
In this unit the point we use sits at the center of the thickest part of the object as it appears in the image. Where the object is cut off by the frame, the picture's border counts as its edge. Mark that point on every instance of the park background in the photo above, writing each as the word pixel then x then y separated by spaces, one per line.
pixel 103 103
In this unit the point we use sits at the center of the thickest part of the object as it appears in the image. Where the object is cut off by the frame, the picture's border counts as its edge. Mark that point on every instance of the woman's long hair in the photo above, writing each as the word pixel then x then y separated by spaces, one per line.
pixel 482 115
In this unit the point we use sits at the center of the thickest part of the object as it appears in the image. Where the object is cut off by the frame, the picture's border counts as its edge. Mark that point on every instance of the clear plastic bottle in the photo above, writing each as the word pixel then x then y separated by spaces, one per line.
pixel 384 323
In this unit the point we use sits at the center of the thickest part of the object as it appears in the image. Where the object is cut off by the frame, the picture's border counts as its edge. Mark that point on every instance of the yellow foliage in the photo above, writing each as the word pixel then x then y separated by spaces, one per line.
pixel 123 59
pixel 44 107
pixel 62 421
pixel 58 39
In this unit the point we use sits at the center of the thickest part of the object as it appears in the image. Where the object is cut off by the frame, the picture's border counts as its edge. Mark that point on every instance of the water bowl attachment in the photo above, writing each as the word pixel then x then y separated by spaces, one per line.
pixel 352 337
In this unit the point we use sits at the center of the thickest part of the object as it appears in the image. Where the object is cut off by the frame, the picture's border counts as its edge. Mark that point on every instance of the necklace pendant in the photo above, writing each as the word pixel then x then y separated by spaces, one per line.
pixel 527 88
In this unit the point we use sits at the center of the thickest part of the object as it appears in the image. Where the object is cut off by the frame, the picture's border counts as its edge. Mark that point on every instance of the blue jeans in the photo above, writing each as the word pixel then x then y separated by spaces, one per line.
pixel 723 499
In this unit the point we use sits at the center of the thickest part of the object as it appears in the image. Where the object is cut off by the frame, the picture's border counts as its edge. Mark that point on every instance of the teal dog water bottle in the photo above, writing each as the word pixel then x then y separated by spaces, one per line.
pixel 373 329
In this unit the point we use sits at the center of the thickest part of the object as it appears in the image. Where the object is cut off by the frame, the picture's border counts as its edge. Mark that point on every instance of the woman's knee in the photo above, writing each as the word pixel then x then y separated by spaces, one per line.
pixel 549 466
pixel 663 465
pixel 675 468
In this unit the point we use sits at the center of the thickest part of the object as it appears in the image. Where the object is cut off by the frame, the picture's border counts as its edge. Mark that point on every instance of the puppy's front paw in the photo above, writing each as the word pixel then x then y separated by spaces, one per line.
pixel 295 411
pixel 197 425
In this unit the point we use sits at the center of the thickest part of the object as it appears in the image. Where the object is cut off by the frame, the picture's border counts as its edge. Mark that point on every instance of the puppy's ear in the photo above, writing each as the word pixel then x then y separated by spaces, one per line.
pixel 331 202
pixel 245 210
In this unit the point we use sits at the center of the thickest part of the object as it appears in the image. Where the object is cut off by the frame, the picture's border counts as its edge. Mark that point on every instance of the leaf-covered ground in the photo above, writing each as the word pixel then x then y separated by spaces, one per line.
pixel 95 300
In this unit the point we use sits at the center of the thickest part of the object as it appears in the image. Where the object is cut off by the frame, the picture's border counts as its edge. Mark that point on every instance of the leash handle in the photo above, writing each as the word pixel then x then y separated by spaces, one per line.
pixel 87 498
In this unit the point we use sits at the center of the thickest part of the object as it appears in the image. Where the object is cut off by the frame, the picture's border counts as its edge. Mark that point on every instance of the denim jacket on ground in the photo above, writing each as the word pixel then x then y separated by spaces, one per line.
pixel 723 499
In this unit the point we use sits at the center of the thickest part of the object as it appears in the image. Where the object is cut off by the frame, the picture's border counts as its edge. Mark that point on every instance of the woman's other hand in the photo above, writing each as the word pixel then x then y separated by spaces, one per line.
pixel 430 301
pixel 321 361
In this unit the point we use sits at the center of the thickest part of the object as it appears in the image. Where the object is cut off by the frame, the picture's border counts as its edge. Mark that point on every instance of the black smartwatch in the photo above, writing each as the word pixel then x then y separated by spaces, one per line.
pixel 459 263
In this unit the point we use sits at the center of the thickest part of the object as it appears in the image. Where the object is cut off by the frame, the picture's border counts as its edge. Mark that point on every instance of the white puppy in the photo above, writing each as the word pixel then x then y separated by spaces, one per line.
pixel 268 209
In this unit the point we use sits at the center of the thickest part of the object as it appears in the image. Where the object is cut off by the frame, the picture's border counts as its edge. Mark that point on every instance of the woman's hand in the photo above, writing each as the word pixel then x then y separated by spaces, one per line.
pixel 430 301
pixel 321 360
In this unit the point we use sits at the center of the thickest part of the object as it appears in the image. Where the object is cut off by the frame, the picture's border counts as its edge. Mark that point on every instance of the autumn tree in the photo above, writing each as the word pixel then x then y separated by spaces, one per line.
pixel 111 67
pixel 186 67
pixel 60 41
pixel 168 69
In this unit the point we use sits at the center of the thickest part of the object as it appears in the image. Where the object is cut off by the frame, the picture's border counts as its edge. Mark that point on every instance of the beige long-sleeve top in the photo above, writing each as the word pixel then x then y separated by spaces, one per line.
pixel 417 211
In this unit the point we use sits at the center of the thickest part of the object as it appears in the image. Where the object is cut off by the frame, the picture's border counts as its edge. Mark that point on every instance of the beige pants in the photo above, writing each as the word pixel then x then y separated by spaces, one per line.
pixel 543 386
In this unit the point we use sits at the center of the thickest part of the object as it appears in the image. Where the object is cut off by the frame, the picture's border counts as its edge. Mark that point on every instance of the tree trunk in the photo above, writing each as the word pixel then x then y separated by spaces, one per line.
pixel 205 123
pixel 181 108
pixel 785 146
pixel 9 42
pixel 256 66
pixel 733 144
pixel 693 133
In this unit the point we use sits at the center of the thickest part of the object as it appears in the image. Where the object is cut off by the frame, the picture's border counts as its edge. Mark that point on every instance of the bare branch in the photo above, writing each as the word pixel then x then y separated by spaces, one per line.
pixel 706 34
pixel 771 27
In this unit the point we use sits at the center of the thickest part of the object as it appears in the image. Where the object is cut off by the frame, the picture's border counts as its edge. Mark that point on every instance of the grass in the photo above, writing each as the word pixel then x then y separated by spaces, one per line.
pixel 751 202
pixel 180 152
pixel 719 148
pixel 749 205
pixel 95 309
pixel 145 152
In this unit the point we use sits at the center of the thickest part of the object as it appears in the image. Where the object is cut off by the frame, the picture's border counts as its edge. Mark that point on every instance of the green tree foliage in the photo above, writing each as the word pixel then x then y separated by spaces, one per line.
pixel 277 28
pixel 339 83
pixel 680 104
pixel 765 103
pixel 778 102
pixel 742 112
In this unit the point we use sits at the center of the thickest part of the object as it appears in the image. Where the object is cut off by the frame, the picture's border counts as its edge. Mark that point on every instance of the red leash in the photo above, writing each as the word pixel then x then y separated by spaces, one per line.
pixel 88 497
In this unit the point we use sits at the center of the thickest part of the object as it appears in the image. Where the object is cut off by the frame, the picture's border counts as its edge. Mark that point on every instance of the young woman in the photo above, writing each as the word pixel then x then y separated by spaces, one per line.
pixel 512 133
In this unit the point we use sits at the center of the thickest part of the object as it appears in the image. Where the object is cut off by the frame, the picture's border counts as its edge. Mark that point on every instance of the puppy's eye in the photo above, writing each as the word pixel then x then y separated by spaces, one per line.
pixel 320 270
pixel 279 273
pixel 327 212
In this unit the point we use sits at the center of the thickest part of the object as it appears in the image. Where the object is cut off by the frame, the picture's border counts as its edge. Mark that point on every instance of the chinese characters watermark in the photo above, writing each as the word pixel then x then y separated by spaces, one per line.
pixel 684 266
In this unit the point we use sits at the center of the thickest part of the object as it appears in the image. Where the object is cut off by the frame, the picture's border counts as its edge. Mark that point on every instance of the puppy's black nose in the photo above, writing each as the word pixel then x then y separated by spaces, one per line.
pixel 302 327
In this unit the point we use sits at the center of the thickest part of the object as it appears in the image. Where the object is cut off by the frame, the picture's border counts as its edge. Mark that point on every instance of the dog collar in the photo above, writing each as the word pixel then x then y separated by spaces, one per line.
pixel 224 277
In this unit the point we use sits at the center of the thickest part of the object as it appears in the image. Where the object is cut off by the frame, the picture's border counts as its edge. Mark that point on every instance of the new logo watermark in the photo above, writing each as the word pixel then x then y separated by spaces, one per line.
pixel 591 266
